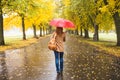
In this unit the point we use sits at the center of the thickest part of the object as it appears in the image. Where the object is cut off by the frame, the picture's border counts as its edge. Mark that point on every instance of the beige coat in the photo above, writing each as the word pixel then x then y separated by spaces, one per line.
pixel 59 41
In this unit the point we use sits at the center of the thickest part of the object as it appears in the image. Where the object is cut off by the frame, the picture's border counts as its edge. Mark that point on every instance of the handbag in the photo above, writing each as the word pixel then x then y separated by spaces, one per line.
pixel 52 43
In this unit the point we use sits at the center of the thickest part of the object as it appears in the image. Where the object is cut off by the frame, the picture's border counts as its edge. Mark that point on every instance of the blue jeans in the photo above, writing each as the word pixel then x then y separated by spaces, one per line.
pixel 59 61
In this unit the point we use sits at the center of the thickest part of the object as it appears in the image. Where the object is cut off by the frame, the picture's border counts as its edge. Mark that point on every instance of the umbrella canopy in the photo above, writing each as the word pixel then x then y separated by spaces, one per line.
pixel 62 23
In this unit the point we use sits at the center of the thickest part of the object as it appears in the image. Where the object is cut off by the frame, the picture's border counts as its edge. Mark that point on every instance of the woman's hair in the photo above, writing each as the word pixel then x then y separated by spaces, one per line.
pixel 59 30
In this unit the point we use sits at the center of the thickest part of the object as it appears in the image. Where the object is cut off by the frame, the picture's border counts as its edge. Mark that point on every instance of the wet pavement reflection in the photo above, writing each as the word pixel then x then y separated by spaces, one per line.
pixel 81 62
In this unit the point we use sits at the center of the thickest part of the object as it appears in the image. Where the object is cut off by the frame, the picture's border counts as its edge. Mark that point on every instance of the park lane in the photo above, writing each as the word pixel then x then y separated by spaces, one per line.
pixel 81 62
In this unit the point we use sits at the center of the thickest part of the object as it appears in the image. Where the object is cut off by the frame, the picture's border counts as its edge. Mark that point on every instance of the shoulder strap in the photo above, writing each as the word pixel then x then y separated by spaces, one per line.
pixel 54 35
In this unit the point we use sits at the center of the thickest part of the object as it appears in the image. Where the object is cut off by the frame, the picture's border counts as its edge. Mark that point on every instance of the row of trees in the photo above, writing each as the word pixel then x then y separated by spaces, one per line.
pixel 93 15
pixel 25 14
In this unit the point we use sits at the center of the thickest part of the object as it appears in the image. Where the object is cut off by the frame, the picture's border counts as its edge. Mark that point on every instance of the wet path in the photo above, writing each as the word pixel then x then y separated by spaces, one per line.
pixel 36 62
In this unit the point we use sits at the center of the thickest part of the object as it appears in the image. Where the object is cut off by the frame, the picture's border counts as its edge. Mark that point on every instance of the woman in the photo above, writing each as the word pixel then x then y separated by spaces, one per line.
pixel 59 52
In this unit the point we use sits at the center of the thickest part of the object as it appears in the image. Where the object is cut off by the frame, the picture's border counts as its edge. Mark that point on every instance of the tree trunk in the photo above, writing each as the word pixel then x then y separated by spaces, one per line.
pixel 86 33
pixel 76 31
pixel 81 32
pixel 40 31
pixel 117 26
pixel 96 27
pixel 96 35
pixel 44 33
pixel 72 32
pixel 23 28
pixel 46 30
pixel 34 31
pixel 50 29
pixel 1 29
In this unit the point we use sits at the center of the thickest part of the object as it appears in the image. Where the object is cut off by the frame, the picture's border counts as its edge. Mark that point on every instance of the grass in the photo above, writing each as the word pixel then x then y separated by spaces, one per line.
pixel 107 43
pixel 106 36
pixel 14 42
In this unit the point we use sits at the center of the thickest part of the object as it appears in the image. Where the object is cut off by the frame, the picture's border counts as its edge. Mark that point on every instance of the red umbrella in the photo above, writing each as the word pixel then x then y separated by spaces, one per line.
pixel 62 23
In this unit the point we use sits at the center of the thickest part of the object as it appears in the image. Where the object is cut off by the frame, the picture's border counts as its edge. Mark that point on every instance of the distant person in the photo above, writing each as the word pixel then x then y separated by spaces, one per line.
pixel 59 52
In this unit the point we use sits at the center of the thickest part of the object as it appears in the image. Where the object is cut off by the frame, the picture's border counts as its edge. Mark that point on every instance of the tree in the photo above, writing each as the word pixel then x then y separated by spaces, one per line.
pixel 3 6
pixel 20 7
pixel 31 13
pixel 43 13
pixel 114 9
pixel 1 25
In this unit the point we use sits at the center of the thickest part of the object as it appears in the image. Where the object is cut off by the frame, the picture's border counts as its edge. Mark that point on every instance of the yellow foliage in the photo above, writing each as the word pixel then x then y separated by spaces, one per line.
pixel 12 21
pixel 111 3
pixel 103 9
pixel 98 19
pixel 28 23
pixel 43 14
pixel 41 11
pixel 66 2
